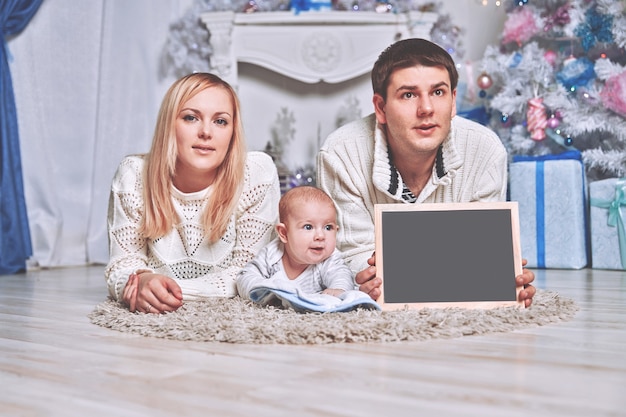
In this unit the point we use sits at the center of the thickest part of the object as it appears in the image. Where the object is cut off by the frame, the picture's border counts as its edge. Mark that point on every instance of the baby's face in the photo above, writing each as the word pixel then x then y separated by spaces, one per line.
pixel 311 232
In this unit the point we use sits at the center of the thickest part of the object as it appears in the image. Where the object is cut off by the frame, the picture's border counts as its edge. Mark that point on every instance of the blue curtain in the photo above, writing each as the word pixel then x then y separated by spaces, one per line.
pixel 15 244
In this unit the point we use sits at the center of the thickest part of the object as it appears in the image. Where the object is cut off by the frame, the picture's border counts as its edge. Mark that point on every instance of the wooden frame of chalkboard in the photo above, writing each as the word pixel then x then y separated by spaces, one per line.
pixel 448 255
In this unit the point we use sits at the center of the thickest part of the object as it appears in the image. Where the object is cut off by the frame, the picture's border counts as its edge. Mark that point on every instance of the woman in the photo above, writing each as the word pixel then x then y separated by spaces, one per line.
pixel 186 217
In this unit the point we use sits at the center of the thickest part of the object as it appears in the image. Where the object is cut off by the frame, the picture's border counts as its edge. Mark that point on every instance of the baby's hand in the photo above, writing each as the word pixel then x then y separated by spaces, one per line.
pixel 333 291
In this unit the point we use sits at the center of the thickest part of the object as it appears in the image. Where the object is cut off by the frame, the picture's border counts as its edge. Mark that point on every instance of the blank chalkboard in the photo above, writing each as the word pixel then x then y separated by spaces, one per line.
pixel 452 254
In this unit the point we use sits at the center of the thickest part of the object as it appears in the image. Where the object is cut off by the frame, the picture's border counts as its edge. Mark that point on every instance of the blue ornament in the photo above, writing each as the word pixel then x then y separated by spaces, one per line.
pixel 596 28
pixel 576 73
pixel 568 141
pixel 482 94
pixel 506 121
pixel 302 176
pixel 515 60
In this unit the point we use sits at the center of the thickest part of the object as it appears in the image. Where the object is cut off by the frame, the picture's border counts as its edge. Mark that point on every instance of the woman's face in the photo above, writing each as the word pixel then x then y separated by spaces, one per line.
pixel 204 128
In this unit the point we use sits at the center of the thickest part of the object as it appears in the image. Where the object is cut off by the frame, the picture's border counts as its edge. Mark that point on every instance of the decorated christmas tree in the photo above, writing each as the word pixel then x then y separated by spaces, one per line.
pixel 557 81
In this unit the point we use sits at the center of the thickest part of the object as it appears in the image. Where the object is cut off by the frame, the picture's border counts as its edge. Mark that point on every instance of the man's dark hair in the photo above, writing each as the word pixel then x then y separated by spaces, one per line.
pixel 408 53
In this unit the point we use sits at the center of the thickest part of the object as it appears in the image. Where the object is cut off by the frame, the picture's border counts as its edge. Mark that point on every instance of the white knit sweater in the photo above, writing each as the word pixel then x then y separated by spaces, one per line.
pixel 201 269
pixel 353 167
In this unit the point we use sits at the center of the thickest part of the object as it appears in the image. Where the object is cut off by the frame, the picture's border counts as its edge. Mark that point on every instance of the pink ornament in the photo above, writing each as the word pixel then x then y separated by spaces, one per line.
pixel 550 57
pixel 536 118
pixel 484 81
pixel 251 7
pixel 613 94
pixel 553 122
pixel 520 26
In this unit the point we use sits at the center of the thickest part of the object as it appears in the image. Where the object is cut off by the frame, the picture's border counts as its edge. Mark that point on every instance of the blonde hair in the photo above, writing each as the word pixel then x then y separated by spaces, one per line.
pixel 303 193
pixel 160 168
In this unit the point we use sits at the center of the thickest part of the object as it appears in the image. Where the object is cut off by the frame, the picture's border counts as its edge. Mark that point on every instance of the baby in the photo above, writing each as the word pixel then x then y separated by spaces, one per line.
pixel 304 252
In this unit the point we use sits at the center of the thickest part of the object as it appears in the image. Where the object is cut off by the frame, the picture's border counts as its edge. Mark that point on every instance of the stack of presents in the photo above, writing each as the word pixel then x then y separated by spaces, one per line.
pixel 567 222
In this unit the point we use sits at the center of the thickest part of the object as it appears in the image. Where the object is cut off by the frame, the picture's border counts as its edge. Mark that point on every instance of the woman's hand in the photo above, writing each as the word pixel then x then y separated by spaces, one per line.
pixel 147 292
pixel 526 295
pixel 129 296
pixel 368 281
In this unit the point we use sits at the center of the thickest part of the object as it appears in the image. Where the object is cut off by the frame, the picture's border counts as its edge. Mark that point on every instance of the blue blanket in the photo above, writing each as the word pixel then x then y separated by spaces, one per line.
pixel 304 303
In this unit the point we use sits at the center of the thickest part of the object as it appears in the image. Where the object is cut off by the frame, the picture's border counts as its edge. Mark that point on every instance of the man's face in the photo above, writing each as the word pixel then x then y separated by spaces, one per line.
pixel 418 112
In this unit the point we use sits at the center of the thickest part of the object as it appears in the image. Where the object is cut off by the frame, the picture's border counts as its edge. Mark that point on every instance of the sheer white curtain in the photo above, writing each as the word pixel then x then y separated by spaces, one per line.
pixel 87 92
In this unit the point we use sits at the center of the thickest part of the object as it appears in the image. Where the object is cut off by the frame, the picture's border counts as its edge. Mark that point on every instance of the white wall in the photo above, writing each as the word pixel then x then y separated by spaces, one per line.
pixel 482 24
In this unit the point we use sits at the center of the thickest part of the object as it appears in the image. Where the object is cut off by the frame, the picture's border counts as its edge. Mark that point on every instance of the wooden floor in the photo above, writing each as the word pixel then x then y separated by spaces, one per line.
pixel 54 362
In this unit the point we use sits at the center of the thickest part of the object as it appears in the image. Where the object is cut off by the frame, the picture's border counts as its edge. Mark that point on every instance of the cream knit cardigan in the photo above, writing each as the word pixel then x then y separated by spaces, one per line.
pixel 353 167
pixel 200 268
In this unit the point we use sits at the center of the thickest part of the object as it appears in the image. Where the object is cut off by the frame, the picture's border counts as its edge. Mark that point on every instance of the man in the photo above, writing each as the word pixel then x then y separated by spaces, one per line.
pixel 412 149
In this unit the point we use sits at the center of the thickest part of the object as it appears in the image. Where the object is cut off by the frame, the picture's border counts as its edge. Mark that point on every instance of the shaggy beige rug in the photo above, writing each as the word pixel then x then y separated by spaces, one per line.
pixel 239 321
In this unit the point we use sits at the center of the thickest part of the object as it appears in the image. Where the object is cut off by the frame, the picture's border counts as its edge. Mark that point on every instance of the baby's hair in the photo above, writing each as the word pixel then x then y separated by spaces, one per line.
pixel 301 193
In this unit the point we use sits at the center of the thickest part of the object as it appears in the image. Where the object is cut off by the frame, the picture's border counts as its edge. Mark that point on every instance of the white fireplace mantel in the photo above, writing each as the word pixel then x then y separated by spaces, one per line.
pixel 310 46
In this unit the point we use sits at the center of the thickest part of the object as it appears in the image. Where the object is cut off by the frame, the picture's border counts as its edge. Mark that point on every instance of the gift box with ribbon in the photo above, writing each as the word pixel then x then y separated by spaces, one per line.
pixel 551 191
pixel 608 237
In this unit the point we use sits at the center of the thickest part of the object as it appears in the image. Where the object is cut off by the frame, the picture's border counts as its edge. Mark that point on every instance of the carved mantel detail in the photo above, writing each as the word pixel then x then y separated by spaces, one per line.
pixel 310 47
pixel 321 52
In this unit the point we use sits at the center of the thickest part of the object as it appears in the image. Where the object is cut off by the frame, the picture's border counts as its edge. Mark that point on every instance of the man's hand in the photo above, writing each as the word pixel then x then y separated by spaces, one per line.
pixel 368 281
pixel 526 295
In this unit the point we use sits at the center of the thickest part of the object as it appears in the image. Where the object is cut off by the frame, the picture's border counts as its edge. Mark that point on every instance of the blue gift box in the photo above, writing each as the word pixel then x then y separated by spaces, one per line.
pixel 551 191
pixel 608 237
